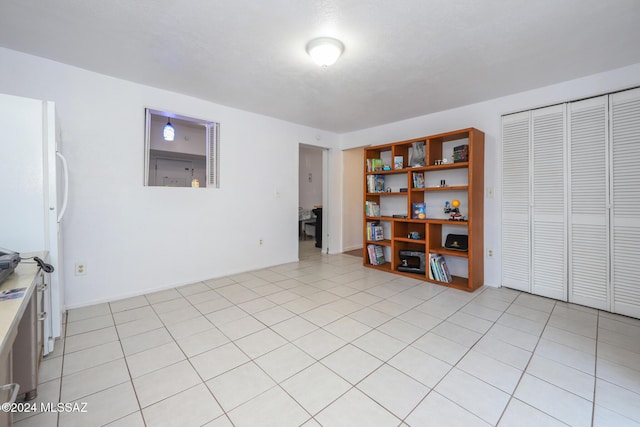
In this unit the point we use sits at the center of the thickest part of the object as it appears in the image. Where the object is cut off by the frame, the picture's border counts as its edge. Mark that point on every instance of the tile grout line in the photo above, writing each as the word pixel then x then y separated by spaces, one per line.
pixel 203 382
pixel 524 371
pixel 64 345
pixel 595 371
pixel 470 348
pixel 135 392
pixel 432 389
pixel 406 344
pixel 352 386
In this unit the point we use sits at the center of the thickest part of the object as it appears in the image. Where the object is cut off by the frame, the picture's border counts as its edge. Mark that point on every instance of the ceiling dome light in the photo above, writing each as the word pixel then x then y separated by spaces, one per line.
pixel 325 51
pixel 168 132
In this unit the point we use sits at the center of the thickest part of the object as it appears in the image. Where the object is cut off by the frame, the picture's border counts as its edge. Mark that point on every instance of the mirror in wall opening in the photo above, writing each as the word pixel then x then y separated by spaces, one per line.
pixel 189 159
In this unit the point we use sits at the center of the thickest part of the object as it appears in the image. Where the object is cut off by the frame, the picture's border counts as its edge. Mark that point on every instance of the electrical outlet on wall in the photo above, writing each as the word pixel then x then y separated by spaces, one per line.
pixel 81 269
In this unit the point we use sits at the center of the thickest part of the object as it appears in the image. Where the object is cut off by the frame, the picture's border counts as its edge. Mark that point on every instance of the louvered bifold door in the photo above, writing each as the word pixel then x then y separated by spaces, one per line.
pixel 625 188
pixel 548 228
pixel 515 202
pixel 588 197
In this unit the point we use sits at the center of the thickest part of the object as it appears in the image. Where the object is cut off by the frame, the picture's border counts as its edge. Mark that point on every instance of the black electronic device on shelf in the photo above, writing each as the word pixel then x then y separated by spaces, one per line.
pixel 9 260
pixel 412 262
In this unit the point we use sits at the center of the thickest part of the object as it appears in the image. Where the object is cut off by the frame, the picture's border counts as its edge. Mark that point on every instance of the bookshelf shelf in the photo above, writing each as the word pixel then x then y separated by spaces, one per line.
pixel 447 222
pixel 451 188
pixel 464 153
pixel 389 172
pixel 444 251
pixel 448 188
pixel 385 242
pixel 408 240
pixel 458 165
pixel 386 267
pixel 457 282
pixel 388 193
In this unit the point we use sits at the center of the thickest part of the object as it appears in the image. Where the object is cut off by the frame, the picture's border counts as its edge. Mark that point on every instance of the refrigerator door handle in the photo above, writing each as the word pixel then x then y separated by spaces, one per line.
pixel 65 171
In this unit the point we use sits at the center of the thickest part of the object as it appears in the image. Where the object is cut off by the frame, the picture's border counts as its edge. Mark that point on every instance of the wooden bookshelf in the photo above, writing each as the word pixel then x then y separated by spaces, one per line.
pixel 464 181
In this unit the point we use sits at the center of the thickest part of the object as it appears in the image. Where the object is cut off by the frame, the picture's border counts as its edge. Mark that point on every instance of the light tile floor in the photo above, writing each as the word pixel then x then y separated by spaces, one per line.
pixel 326 341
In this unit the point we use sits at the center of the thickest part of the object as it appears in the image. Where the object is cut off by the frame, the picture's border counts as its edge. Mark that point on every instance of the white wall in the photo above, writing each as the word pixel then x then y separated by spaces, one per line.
pixel 110 227
pixel 133 239
pixel 486 116
pixel 310 162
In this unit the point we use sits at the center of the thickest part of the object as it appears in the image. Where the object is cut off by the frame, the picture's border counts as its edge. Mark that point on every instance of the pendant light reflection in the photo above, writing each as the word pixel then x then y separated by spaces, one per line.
pixel 168 132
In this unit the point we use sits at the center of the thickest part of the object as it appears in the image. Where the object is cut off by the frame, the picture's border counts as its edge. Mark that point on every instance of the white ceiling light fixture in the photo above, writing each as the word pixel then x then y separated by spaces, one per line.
pixel 325 51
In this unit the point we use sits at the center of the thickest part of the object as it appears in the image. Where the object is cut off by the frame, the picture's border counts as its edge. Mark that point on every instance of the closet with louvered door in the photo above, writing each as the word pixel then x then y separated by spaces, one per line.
pixel 516 268
pixel 580 172
pixel 548 212
pixel 625 213
pixel 588 191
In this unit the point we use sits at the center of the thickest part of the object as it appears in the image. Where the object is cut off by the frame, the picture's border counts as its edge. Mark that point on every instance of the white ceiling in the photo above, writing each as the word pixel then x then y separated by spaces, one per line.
pixel 403 58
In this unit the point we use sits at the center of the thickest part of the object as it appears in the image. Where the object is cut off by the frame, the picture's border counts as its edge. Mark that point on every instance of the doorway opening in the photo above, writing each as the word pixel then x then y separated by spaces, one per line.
pixel 312 200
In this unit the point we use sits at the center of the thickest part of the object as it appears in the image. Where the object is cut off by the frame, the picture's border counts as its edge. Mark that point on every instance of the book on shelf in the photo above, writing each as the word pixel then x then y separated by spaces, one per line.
pixel 398 162
pixel 374 165
pixel 419 211
pixel 375 183
pixel 433 269
pixel 461 153
pixel 372 209
pixel 445 270
pixel 378 233
pixel 438 269
pixel 376 254
pixel 374 232
pixel 418 180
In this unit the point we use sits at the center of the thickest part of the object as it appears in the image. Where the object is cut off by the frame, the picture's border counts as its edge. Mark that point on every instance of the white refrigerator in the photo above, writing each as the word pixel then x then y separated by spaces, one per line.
pixel 33 193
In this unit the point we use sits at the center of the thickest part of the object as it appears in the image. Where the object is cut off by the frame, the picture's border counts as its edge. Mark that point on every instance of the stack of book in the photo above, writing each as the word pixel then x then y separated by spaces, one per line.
pixel 438 269
pixel 376 254
pixel 375 183
pixel 374 165
pixel 374 231
pixel 461 153
pixel 372 209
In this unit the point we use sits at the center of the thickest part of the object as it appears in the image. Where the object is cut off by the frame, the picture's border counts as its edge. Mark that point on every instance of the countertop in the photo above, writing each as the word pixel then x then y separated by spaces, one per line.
pixel 11 311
